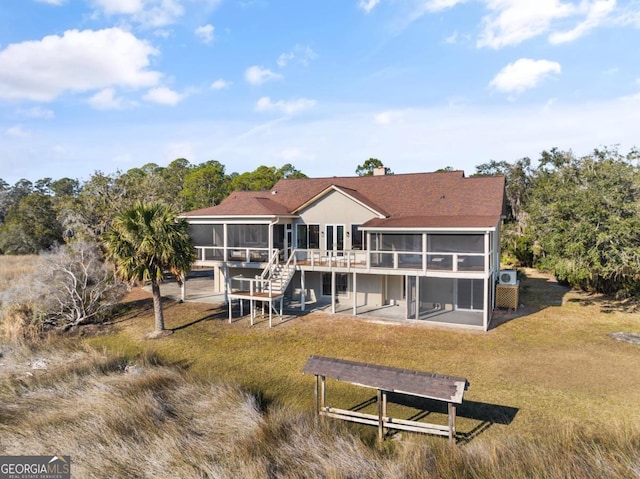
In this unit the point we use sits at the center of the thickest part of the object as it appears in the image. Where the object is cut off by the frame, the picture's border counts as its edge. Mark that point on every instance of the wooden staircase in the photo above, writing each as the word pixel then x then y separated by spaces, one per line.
pixel 278 277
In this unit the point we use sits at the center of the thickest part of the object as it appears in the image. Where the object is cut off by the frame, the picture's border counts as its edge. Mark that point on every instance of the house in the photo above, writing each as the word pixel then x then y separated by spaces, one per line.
pixel 419 247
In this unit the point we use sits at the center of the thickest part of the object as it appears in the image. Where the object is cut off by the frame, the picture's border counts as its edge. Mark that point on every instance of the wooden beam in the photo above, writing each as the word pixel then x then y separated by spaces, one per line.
pixel 380 417
pixel 316 386
pixel 452 423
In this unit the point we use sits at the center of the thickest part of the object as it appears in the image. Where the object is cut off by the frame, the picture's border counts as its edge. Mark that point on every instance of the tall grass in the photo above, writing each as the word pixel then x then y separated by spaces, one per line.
pixel 15 323
pixel 13 268
pixel 138 418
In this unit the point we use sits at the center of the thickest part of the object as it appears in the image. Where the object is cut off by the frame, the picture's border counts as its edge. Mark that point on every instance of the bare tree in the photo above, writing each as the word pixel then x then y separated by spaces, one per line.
pixel 73 287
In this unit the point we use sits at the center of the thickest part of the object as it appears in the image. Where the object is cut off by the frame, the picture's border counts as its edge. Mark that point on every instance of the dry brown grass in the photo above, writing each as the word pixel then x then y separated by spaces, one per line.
pixel 551 395
pixel 15 324
pixel 12 268
pixel 137 418
pixel 554 364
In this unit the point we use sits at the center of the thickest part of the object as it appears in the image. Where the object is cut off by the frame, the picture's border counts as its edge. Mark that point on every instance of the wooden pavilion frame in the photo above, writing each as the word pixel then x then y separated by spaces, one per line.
pixel 384 379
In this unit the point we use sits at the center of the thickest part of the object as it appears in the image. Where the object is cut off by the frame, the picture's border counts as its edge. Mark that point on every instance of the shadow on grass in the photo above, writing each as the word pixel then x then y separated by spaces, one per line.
pixel 608 304
pixel 536 292
pixel 129 310
pixel 220 313
pixel 485 414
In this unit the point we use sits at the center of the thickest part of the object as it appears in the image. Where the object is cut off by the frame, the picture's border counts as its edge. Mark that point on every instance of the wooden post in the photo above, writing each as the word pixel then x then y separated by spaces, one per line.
pixel 452 423
pixel 380 413
pixel 323 392
pixel 315 394
pixel 270 311
pixel 384 409
pixel 230 314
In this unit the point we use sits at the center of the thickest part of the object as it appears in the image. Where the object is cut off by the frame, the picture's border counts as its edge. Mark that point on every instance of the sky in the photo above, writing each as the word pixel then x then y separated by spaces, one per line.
pixel 109 85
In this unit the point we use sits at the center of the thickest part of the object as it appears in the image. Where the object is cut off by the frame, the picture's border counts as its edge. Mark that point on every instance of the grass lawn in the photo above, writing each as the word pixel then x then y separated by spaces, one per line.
pixel 553 365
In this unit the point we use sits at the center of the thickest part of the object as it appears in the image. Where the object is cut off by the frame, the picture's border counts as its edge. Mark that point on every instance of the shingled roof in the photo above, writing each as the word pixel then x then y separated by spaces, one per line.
pixel 443 199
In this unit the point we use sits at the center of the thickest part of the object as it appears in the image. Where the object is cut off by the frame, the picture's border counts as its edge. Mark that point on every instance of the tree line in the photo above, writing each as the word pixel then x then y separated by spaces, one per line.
pixel 34 216
pixel 576 217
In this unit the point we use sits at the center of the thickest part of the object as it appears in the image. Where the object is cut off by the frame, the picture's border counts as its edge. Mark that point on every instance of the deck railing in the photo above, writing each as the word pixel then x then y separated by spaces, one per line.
pixel 354 259
pixel 239 254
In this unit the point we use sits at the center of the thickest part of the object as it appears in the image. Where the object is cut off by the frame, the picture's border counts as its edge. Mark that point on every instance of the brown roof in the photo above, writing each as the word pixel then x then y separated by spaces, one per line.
pixel 244 203
pixel 443 199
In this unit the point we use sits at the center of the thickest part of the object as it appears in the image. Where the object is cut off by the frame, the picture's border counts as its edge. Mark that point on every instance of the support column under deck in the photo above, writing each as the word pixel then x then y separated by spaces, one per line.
pixel 302 290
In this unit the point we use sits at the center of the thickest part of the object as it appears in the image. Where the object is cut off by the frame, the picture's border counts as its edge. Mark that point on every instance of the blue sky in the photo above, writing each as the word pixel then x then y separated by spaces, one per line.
pixel 109 85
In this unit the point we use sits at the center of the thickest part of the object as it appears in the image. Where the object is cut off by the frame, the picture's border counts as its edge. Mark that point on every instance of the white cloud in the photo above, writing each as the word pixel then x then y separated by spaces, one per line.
pixel 17 132
pixel 513 21
pixel 438 5
pixel 106 100
pixel 597 12
pixel 302 54
pixel 76 62
pixel 37 112
pixel 510 22
pixel 524 74
pixel 205 33
pixel 368 5
pixel 149 13
pixel 285 58
pixel 56 3
pixel 220 84
pixel 257 75
pixel 120 7
pixel 163 96
pixel 287 107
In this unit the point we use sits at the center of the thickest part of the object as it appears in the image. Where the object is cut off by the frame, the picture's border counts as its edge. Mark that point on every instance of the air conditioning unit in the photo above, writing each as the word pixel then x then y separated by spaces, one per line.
pixel 508 276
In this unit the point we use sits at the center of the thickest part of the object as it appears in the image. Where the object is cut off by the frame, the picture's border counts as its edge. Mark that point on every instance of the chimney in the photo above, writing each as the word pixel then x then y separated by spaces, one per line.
pixel 380 171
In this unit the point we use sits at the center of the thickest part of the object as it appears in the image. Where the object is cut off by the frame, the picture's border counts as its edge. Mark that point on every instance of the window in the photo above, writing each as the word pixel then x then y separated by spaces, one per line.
pixel 342 282
pixel 397 242
pixel 278 236
pixel 202 235
pixel 456 243
pixel 308 236
pixel 242 236
pixel 358 238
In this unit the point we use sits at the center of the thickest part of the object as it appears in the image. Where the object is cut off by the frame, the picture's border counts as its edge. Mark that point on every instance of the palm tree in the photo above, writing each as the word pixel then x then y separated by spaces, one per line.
pixel 144 242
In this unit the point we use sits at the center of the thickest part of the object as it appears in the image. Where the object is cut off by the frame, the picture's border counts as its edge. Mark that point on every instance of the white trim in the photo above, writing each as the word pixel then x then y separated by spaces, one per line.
pixel 236 218
pixel 330 188
pixel 382 229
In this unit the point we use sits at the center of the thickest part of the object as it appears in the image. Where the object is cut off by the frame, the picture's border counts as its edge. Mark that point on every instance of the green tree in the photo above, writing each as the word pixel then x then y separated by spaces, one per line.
pixel 264 177
pixel 583 217
pixel 366 169
pixel 289 171
pixel 204 185
pixel 30 226
pixel 174 175
pixel 102 196
pixel 146 240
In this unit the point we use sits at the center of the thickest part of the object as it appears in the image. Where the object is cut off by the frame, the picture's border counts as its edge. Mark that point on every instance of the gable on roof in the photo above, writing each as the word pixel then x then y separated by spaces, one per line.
pixel 349 193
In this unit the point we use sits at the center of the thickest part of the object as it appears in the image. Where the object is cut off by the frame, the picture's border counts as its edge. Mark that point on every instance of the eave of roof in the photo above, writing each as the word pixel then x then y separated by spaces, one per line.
pixel 407 222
